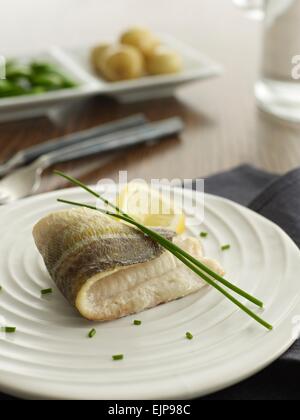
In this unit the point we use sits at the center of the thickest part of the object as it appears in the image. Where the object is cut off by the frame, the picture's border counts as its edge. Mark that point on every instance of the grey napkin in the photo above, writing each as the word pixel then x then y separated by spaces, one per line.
pixel 278 199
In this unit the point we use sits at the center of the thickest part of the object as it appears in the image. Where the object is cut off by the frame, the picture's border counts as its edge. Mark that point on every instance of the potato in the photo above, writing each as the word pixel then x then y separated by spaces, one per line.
pixel 162 60
pixel 140 38
pixel 98 54
pixel 122 63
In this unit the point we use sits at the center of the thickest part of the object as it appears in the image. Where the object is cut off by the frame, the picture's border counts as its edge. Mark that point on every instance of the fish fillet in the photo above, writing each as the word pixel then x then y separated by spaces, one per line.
pixel 109 270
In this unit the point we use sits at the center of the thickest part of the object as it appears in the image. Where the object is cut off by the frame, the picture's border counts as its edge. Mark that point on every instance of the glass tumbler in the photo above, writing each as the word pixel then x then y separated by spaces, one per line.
pixel 278 88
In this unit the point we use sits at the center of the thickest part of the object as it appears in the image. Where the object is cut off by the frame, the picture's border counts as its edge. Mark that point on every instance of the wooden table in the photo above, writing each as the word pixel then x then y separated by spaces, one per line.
pixel 224 127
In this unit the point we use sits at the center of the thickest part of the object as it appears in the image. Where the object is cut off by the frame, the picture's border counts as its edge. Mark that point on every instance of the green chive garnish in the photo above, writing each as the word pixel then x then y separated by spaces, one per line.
pixel 225 247
pixel 92 333
pixel 46 291
pixel 189 336
pixel 209 276
pixel 118 357
pixel 9 330
pixel 204 234
pixel 136 322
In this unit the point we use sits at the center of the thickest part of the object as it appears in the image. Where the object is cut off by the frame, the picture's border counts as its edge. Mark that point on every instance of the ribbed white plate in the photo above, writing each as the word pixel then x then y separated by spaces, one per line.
pixel 50 355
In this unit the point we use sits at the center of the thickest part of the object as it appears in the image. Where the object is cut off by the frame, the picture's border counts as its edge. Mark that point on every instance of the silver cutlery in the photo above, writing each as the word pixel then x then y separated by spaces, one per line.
pixel 24 157
pixel 25 181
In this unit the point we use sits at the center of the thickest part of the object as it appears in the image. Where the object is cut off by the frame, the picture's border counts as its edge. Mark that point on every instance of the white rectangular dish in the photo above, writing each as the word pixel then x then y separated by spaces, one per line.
pixel 76 64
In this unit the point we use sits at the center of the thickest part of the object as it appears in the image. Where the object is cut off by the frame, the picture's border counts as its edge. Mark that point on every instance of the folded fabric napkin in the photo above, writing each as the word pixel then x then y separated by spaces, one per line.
pixel 278 199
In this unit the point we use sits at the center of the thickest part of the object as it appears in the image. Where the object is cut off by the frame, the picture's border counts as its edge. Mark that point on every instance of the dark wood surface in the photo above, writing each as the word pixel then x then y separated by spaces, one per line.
pixel 223 126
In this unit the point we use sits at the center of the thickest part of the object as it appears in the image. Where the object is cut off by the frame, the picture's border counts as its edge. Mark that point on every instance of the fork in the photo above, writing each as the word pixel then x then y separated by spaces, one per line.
pixel 26 181
pixel 24 157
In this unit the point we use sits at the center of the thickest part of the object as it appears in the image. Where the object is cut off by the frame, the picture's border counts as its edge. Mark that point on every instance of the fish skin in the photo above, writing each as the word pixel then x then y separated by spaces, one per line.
pixel 77 244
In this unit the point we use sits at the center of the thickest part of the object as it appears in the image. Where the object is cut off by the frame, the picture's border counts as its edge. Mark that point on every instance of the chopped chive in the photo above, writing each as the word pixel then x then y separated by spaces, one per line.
pixel 46 291
pixel 136 322
pixel 189 336
pixel 9 330
pixel 92 333
pixel 225 247
pixel 118 357
pixel 203 234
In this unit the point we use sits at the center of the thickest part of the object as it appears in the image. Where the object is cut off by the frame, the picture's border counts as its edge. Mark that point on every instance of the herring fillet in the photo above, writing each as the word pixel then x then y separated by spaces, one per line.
pixel 107 269
pixel 77 244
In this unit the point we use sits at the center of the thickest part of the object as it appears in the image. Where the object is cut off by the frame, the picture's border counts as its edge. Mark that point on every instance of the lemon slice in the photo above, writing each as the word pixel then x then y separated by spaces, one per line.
pixel 150 207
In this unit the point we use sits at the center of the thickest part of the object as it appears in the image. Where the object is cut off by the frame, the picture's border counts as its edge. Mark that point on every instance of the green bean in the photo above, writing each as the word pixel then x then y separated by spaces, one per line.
pixel 39 67
pixel 17 72
pixel 48 80
pixel 8 89
pixel 32 79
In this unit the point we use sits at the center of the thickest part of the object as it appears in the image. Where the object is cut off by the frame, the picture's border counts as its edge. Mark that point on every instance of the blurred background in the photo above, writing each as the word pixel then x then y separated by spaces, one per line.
pixel 224 126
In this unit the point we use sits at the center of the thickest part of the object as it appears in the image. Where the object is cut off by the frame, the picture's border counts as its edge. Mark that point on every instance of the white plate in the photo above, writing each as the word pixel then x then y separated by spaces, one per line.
pixel 50 355
pixel 76 64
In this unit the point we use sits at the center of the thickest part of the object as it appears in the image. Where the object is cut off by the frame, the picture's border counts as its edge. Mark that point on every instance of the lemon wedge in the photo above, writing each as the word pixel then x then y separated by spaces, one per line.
pixel 150 207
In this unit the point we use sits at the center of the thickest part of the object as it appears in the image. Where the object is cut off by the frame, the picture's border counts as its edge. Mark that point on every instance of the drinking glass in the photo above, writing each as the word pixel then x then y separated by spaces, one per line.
pixel 278 89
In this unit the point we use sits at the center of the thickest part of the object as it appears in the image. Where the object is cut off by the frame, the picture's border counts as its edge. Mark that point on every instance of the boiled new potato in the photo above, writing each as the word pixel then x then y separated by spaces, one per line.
pixel 140 38
pixel 162 60
pixel 98 54
pixel 122 62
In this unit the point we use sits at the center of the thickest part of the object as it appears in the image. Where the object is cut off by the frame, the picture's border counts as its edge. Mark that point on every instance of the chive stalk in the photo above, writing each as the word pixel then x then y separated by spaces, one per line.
pixel 163 241
pixel 202 266
pixel 181 255
pixel 187 259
